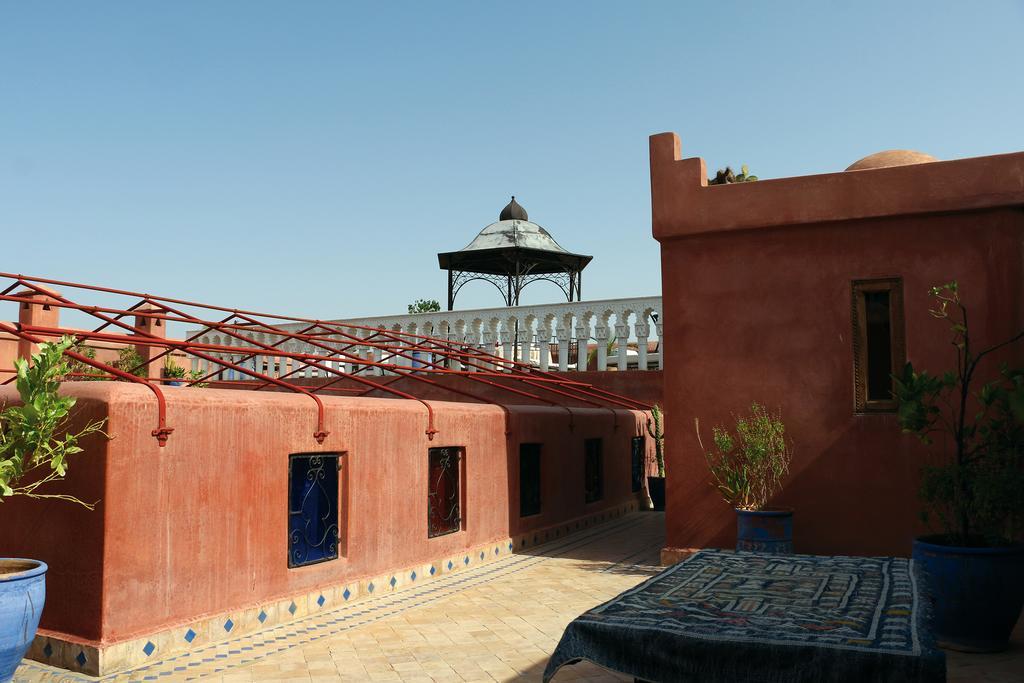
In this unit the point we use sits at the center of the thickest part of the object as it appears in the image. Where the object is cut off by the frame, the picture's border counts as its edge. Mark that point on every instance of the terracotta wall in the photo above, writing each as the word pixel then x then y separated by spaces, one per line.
pixel 763 312
pixel 200 526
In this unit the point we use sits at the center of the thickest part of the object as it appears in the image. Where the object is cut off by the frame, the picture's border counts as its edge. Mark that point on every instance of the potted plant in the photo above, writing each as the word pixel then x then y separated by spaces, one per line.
pixel 656 485
pixel 173 371
pixel 747 468
pixel 974 568
pixel 34 449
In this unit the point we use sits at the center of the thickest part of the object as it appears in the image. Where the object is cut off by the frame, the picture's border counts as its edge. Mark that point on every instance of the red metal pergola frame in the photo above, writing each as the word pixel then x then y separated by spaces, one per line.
pixel 330 349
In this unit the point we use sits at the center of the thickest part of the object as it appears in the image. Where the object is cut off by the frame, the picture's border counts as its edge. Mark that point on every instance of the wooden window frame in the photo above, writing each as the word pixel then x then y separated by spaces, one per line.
pixel 897 342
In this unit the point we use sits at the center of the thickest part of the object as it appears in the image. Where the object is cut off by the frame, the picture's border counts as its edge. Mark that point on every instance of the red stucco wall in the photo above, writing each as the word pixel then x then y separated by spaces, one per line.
pixel 200 526
pixel 760 310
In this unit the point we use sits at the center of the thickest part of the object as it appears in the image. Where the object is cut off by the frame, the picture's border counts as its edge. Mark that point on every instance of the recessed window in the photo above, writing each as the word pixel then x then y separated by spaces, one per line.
pixel 593 471
pixel 878 346
pixel 443 493
pixel 313 506
pixel 638 448
pixel 529 479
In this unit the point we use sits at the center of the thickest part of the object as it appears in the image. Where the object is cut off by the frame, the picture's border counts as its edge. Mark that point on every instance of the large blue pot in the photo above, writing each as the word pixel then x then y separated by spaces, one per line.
pixel 22 592
pixel 764 531
pixel 975 594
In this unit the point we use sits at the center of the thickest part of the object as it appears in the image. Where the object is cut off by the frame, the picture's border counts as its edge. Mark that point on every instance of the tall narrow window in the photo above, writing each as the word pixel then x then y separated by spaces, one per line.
pixel 878 346
pixel 637 449
pixel 529 479
pixel 593 471
pixel 443 494
pixel 313 504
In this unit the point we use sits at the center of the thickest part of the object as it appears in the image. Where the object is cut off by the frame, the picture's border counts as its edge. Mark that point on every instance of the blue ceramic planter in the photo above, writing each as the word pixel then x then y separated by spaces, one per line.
pixel 764 531
pixel 975 594
pixel 22 592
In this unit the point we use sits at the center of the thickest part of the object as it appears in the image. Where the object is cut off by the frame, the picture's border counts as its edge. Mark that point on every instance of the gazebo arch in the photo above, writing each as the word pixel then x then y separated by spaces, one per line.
pixel 512 253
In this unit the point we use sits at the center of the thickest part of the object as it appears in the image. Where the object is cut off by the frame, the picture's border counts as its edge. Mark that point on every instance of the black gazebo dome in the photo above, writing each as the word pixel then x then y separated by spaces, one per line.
pixel 510 254
pixel 513 211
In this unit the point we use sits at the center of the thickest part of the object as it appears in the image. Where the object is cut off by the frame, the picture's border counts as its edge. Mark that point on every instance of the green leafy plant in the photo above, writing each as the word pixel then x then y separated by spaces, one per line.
pixel 195 375
pixel 79 371
pixel 172 370
pixel 129 360
pixel 726 176
pixel 656 428
pixel 978 494
pixel 424 306
pixel 748 466
pixel 34 442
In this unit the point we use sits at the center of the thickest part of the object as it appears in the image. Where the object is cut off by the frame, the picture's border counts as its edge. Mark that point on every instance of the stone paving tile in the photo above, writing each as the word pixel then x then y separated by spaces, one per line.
pixel 498 622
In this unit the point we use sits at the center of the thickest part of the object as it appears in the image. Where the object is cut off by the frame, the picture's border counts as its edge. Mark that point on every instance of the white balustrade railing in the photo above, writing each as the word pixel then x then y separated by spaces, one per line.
pixel 549 336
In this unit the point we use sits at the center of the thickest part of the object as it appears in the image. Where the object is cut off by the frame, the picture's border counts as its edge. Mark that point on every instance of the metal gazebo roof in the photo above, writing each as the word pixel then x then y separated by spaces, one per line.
pixel 513 252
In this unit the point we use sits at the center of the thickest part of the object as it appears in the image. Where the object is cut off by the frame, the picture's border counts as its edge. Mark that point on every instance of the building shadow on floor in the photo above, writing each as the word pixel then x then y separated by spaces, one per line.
pixel 626 545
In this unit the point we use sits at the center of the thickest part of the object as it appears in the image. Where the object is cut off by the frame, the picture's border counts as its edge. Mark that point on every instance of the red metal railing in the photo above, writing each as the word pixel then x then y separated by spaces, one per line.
pixel 255 350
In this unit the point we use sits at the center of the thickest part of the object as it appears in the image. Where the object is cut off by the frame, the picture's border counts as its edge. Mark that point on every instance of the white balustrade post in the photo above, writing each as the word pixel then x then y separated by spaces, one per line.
pixel 602 337
pixel 469 342
pixel 642 330
pixel 582 346
pixel 505 338
pixel 622 341
pixel 488 337
pixel 544 345
pixel 525 344
pixel 306 371
pixel 562 334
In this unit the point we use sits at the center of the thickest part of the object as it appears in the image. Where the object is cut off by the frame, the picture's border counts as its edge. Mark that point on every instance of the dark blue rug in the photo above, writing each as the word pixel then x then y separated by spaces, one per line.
pixel 723 617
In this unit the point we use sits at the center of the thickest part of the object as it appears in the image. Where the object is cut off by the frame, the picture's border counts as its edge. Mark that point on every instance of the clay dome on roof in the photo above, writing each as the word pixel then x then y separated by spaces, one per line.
pixel 891 157
pixel 513 212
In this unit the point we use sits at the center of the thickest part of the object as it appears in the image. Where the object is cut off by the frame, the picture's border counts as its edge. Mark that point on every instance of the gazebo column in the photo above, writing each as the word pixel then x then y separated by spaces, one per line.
pixel 642 331
pixel 622 341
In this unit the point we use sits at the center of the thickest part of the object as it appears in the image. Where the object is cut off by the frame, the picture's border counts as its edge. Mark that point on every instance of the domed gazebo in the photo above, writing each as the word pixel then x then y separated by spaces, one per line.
pixel 511 254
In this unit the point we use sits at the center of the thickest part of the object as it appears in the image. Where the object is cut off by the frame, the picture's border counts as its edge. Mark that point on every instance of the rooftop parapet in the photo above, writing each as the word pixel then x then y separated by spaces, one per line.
pixel 683 204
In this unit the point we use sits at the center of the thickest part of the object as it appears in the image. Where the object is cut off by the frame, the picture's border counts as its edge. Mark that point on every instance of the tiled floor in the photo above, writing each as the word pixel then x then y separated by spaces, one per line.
pixel 495 623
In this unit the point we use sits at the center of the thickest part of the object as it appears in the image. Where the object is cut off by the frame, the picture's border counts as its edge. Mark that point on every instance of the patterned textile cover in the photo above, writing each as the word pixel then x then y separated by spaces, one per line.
pixel 740 616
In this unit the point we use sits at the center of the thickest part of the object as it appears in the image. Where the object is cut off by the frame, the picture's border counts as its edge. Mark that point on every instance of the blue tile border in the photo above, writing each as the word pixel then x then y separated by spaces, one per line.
pixel 411 596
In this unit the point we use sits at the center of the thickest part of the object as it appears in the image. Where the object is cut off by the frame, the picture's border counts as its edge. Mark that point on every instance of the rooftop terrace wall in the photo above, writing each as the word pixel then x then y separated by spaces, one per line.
pixel 199 527
pixel 757 294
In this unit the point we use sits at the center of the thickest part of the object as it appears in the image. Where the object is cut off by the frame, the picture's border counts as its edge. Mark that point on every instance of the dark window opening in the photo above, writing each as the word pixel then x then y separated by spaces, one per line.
pixel 529 479
pixel 593 471
pixel 637 452
pixel 443 495
pixel 312 508
pixel 878 342
pixel 879 346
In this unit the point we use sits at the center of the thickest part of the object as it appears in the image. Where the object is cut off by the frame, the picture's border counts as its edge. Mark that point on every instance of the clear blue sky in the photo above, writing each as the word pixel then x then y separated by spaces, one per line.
pixel 313 157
